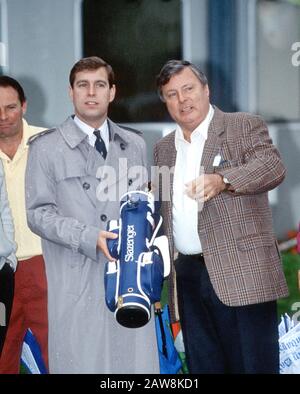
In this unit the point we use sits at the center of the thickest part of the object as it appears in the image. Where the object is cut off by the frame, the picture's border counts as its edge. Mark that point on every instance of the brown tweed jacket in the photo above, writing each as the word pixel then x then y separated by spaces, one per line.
pixel 235 228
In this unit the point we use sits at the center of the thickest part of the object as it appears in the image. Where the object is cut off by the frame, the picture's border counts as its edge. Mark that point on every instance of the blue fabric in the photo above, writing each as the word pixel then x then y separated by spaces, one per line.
pixel 222 27
pixel 137 276
pixel 99 144
pixel 31 358
pixel 169 361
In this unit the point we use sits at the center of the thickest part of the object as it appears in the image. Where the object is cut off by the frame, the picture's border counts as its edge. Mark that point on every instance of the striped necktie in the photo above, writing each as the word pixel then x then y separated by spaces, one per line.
pixel 99 144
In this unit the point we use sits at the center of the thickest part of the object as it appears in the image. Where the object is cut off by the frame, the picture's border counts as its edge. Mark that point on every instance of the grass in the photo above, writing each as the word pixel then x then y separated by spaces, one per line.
pixel 291 266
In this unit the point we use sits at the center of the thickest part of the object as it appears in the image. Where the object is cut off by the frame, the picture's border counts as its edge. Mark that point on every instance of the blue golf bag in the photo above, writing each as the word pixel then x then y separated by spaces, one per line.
pixel 134 281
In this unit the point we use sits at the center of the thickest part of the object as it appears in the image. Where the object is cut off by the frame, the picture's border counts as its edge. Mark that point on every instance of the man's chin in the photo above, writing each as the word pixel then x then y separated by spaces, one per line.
pixel 5 132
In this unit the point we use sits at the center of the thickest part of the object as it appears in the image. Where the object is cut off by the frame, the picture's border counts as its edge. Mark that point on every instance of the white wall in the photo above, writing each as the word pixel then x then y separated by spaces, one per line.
pixel 286 212
pixel 278 82
pixel 42 47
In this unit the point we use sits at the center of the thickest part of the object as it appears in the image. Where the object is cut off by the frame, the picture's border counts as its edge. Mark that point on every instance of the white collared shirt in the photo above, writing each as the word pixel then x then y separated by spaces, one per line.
pixel 90 130
pixel 187 168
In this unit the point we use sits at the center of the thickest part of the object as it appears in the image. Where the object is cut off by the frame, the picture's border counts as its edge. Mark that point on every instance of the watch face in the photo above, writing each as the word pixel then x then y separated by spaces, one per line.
pixel 225 180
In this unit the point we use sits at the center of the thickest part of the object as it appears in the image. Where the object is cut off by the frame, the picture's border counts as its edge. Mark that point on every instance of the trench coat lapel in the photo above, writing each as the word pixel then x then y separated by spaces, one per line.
pixel 118 149
pixel 76 138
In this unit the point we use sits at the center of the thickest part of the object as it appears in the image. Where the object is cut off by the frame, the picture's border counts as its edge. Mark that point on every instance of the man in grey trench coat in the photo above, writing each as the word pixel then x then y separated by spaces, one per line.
pixel 72 190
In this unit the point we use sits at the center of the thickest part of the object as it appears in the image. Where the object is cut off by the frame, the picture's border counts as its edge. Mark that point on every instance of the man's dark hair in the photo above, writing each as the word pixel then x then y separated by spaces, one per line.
pixel 173 67
pixel 6 81
pixel 91 63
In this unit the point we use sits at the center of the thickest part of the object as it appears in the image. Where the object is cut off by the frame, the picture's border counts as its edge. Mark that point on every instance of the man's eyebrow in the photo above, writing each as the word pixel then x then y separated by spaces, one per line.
pixel 86 80
pixel 187 84
pixel 170 90
pixel 11 103
pixel 181 87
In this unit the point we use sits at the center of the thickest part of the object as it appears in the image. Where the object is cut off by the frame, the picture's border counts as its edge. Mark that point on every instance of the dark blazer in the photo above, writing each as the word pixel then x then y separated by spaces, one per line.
pixel 235 228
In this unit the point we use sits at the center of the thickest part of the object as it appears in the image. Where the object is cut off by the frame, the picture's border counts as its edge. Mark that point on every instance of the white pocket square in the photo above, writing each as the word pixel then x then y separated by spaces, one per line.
pixel 218 160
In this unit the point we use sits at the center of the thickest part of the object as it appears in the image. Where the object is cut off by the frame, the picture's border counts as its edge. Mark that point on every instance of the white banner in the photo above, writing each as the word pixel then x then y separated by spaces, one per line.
pixel 289 346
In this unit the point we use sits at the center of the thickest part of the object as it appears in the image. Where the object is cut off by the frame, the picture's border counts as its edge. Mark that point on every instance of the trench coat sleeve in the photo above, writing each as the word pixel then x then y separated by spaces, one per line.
pixel 43 216
pixel 7 221
pixel 261 169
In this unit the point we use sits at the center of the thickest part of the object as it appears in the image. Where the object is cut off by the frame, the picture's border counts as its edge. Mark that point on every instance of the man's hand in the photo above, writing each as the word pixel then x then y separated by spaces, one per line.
pixel 102 245
pixel 205 187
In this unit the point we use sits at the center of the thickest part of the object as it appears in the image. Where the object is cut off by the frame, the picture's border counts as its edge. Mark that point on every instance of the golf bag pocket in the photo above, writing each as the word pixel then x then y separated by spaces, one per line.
pixel 151 275
pixel 134 282
pixel 112 274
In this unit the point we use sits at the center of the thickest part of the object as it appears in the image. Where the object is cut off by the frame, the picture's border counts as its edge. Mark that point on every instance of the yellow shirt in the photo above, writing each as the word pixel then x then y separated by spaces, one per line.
pixel 29 244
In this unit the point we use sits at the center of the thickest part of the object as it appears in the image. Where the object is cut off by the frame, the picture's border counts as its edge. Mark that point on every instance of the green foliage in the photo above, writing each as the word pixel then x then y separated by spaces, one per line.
pixel 164 294
pixel 291 266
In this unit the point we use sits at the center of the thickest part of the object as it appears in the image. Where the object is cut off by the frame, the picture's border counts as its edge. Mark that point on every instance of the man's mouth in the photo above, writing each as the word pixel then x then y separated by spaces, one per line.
pixel 186 109
pixel 91 103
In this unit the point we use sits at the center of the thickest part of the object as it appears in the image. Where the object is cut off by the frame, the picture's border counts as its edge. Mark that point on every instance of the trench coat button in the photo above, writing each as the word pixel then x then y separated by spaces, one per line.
pixel 86 186
pixel 122 145
pixel 129 182
pixel 103 218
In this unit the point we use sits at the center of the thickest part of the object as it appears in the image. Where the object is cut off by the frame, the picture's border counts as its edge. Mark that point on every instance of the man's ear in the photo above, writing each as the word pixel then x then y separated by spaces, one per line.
pixel 207 90
pixel 24 108
pixel 71 93
pixel 112 93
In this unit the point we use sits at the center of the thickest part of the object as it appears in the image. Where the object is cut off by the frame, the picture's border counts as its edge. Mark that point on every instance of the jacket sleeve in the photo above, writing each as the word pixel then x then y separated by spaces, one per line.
pixel 7 224
pixel 43 214
pixel 261 169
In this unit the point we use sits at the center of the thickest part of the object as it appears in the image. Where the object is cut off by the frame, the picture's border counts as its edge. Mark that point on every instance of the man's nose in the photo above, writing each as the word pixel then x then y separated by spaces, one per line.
pixel 3 114
pixel 181 97
pixel 91 90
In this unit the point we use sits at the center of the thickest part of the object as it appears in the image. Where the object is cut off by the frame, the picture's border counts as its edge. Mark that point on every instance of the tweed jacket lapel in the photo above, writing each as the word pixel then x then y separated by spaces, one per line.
pixel 171 158
pixel 214 141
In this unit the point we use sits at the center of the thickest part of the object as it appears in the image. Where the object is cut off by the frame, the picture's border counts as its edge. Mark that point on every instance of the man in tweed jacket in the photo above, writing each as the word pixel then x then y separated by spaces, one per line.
pixel 228 273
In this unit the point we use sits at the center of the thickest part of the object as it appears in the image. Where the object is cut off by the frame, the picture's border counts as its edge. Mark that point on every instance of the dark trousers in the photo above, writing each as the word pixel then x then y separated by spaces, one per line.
pixel 219 338
pixel 6 300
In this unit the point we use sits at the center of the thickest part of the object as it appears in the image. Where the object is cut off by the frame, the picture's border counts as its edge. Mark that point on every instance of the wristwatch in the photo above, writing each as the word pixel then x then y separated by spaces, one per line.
pixel 227 183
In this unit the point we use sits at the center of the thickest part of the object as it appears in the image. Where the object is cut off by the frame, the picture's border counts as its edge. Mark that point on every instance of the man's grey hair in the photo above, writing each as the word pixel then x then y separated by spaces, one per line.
pixel 173 67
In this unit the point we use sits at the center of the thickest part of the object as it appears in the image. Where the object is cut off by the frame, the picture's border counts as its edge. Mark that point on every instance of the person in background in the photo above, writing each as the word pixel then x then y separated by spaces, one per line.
pixel 8 260
pixel 29 308
pixel 228 274
pixel 68 210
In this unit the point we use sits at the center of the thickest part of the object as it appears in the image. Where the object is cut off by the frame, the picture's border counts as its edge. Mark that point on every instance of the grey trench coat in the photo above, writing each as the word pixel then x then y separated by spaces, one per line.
pixel 63 177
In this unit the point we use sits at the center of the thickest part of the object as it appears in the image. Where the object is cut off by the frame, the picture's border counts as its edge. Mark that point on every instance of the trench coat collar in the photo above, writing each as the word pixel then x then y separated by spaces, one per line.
pixel 73 135
pixel 117 133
